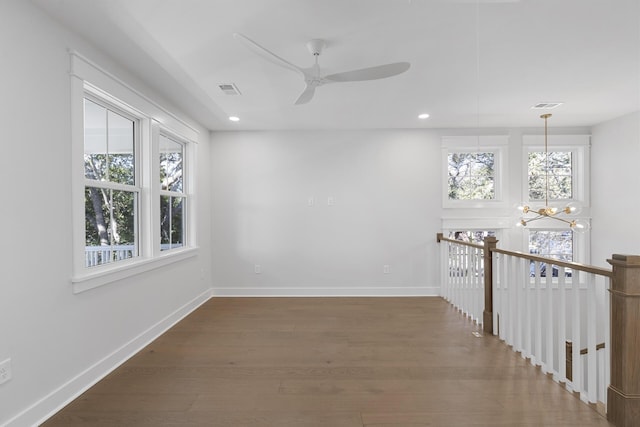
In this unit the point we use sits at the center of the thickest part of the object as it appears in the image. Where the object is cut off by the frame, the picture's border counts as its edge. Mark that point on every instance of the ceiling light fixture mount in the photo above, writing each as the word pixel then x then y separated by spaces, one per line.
pixel 548 211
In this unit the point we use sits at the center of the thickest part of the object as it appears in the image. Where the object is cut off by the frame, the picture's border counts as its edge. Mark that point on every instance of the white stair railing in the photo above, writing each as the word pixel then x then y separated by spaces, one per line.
pixel 540 304
pixel 462 274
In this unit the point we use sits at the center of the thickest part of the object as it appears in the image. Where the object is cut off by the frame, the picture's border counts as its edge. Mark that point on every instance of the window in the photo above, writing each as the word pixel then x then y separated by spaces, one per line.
pixel 172 196
pixel 550 175
pixel 556 244
pixel 565 171
pixel 132 180
pixel 473 171
pixel 471 176
pixel 111 187
pixel 471 236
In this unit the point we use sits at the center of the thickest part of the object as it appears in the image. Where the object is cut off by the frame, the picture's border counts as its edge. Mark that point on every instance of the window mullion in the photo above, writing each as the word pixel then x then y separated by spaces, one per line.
pixel 111 185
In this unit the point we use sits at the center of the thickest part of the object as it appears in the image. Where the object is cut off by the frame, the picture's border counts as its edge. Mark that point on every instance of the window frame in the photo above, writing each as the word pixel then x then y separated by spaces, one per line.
pixel 496 144
pixel 136 187
pixel 184 194
pixel 91 81
pixel 579 147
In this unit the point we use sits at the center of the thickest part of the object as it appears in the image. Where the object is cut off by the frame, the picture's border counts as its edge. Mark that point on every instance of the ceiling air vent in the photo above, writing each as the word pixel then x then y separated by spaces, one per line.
pixel 229 89
pixel 546 105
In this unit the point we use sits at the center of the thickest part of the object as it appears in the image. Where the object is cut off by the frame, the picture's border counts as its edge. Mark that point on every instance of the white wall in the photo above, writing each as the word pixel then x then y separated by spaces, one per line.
pixel 60 342
pixel 386 187
pixel 615 188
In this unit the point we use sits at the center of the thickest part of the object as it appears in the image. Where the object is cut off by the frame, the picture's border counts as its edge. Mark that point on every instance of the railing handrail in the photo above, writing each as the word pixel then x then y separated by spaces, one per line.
pixel 567 264
pixel 441 238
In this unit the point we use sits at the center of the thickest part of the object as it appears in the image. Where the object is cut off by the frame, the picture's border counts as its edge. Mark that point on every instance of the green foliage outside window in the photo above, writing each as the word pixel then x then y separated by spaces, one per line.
pixel 172 203
pixel 554 171
pixel 471 176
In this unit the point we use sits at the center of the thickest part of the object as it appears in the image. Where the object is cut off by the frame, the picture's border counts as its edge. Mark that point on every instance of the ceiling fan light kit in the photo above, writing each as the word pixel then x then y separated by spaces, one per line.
pixel 313 77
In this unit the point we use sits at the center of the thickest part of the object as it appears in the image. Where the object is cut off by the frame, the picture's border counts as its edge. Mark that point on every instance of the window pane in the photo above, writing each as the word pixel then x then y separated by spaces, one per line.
pixel 560 187
pixel 171 222
pixel 96 216
pixel 471 176
pixel 471 188
pixel 537 187
pixel 177 223
pixel 110 225
pixel 123 227
pixel 108 145
pixel 165 222
pixel 120 143
pixel 171 156
pixel 95 141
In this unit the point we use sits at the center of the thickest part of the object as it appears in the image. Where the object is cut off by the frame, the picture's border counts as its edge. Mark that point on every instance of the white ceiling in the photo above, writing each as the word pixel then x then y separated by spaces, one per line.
pixel 474 63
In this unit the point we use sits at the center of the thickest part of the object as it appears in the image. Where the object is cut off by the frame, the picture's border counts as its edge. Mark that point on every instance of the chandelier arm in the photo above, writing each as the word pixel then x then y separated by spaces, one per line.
pixel 561 219
pixel 534 219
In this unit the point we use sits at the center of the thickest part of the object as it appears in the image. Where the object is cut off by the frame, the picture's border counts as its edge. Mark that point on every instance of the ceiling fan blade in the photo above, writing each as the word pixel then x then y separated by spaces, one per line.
pixel 306 95
pixel 267 54
pixel 371 73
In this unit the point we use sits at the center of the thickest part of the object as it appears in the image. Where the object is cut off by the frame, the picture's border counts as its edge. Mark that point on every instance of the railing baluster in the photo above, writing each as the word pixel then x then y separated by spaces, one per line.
pixel 512 302
pixel 518 297
pixel 592 391
pixel 548 363
pixel 464 303
pixel 497 293
pixel 607 338
pixel 528 310
pixel 504 321
pixel 577 342
pixel 538 302
pixel 562 325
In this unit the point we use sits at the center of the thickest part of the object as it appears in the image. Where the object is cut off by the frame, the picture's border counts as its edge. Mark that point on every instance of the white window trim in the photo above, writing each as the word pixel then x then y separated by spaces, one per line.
pixel 579 146
pixel 89 78
pixel 185 194
pixel 497 144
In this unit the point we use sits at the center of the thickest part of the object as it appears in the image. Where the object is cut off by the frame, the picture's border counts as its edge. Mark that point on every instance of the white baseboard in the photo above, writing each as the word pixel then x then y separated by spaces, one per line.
pixel 423 291
pixel 57 399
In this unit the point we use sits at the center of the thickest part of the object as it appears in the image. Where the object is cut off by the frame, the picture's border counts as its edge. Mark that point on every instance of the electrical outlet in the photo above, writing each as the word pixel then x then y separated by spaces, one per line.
pixel 331 201
pixel 5 371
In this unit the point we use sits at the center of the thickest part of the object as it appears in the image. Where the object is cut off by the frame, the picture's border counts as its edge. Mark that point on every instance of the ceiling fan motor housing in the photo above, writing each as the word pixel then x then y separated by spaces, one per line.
pixel 315 46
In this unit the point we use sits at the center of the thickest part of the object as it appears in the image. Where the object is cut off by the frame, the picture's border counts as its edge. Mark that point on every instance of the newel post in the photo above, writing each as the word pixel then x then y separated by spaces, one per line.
pixel 623 395
pixel 487 315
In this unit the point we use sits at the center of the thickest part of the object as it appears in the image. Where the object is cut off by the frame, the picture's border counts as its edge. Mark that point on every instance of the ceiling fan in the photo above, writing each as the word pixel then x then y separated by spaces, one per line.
pixel 312 76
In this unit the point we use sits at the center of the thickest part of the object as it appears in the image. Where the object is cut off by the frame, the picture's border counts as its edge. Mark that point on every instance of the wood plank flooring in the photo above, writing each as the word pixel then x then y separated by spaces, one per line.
pixel 326 362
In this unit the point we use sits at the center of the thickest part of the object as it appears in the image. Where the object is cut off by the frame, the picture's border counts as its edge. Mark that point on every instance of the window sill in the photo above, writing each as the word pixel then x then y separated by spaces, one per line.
pixel 99 276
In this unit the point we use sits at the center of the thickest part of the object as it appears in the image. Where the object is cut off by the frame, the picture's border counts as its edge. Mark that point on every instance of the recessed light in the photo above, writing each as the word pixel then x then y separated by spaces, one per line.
pixel 234 118
pixel 423 116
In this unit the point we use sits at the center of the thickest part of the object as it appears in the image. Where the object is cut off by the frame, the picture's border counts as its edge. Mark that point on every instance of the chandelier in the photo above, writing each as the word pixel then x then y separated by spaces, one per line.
pixel 531 214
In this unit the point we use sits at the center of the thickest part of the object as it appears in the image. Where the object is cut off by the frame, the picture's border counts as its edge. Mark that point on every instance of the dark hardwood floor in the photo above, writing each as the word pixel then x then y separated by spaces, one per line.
pixel 326 362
